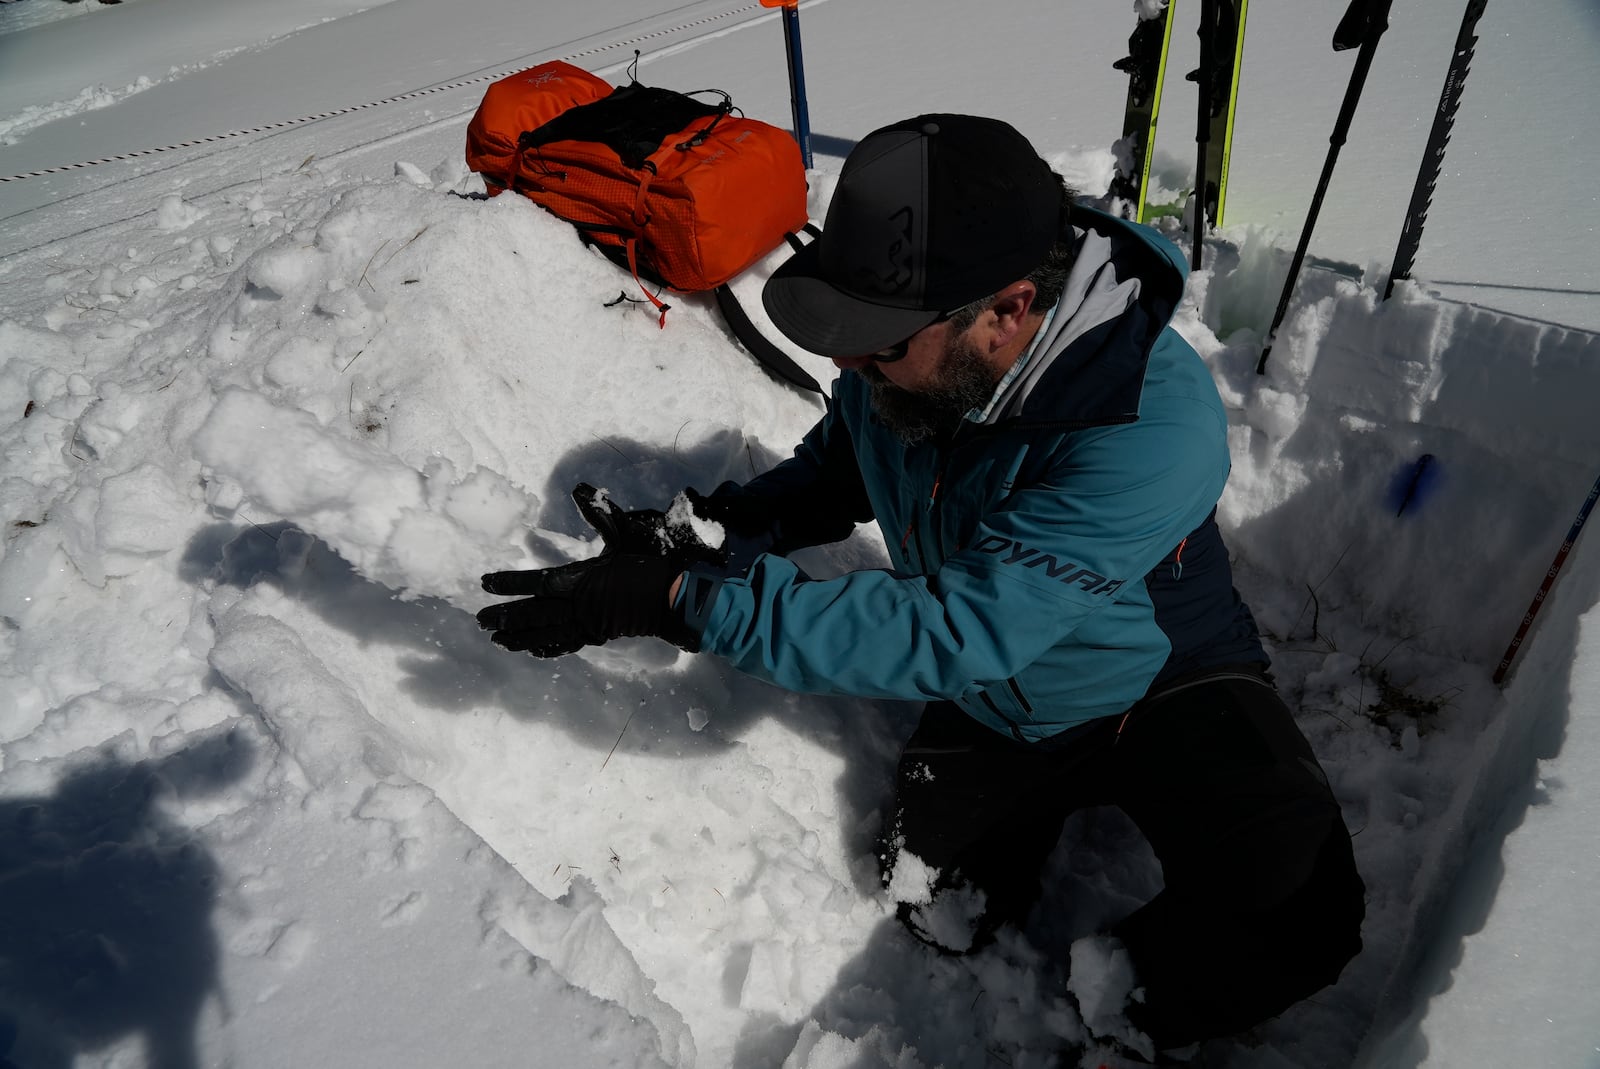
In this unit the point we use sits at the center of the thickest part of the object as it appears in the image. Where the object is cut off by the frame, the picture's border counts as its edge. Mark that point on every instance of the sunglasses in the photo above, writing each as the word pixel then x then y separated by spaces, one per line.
pixel 899 349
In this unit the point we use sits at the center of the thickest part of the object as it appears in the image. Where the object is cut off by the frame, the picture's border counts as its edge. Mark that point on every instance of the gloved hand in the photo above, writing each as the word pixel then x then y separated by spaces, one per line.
pixel 641 532
pixel 739 515
pixel 772 523
pixel 586 603
pixel 622 592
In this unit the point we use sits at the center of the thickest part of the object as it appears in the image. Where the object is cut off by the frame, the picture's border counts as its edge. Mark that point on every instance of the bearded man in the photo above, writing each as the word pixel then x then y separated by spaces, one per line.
pixel 1044 455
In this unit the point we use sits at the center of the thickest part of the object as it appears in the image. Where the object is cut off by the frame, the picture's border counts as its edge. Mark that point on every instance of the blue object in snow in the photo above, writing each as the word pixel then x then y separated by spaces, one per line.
pixel 1412 485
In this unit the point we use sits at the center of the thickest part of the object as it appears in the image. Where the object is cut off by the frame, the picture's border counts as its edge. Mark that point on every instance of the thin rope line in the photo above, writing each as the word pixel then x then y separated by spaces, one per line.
pixel 318 117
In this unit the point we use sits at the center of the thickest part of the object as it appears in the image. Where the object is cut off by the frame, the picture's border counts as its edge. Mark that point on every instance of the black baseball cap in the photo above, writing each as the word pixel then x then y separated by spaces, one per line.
pixel 929 214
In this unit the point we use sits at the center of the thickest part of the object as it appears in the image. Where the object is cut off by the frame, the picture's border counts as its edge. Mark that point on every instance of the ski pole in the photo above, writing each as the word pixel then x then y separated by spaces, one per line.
pixel 1363 24
pixel 797 75
pixel 1202 137
pixel 1549 581
pixel 1444 118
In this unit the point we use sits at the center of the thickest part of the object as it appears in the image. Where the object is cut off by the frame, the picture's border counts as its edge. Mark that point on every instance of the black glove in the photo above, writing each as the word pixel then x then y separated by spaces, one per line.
pixel 738 514
pixel 622 592
pixel 773 523
pixel 640 532
pixel 586 603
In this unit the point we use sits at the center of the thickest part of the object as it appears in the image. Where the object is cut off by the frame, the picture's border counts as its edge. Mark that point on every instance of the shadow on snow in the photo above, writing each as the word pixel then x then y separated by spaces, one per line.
pixel 105 910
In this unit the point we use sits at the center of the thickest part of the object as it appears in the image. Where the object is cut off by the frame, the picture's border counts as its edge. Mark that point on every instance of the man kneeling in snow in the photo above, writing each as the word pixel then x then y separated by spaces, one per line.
pixel 1044 455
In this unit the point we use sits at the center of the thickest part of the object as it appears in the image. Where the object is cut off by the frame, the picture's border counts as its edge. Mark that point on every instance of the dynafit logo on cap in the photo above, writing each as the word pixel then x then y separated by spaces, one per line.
pixel 893 273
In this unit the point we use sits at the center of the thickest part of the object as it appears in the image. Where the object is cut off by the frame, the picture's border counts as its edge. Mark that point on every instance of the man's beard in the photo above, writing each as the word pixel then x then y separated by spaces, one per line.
pixel 962 382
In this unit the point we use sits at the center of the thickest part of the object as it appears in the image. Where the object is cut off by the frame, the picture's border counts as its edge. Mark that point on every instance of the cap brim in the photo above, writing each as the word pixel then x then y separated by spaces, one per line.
pixel 825 320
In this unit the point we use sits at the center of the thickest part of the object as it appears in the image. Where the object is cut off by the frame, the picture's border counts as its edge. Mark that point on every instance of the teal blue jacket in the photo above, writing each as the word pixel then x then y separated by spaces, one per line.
pixel 1049 565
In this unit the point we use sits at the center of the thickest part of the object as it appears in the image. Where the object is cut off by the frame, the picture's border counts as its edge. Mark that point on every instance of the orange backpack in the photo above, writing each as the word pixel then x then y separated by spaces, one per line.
pixel 684 192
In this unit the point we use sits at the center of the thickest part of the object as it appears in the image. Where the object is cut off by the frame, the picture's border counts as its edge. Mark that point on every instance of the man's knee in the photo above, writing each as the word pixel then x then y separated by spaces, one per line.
pixel 1212 970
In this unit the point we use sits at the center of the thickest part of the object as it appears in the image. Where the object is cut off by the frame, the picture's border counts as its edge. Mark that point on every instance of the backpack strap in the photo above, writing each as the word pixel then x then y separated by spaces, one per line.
pixel 641 219
pixel 794 239
pixel 633 265
pixel 775 360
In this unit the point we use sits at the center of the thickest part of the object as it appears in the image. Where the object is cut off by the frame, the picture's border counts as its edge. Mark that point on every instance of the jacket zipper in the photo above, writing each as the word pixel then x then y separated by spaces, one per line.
pixel 1022 701
pixel 930 510
pixel 933 494
pixel 913 533
pixel 1016 731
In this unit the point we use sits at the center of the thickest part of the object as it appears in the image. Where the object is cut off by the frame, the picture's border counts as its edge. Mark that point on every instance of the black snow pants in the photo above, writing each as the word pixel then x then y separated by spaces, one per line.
pixel 1261 904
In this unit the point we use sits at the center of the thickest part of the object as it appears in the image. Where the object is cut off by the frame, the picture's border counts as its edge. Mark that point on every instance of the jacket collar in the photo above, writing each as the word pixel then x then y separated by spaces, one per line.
pixel 1088 366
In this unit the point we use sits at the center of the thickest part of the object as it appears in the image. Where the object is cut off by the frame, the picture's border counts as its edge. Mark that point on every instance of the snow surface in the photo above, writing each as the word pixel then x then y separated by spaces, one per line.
pixel 272 403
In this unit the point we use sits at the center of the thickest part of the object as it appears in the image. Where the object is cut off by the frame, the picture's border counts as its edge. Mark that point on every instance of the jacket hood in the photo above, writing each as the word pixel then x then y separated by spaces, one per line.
pixel 1088 363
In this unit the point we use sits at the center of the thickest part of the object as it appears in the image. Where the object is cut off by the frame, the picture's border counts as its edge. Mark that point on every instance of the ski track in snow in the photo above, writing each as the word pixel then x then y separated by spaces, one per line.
pixel 212 34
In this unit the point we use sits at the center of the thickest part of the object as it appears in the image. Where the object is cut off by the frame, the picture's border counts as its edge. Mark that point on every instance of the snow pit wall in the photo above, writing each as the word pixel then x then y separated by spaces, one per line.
pixel 1500 405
